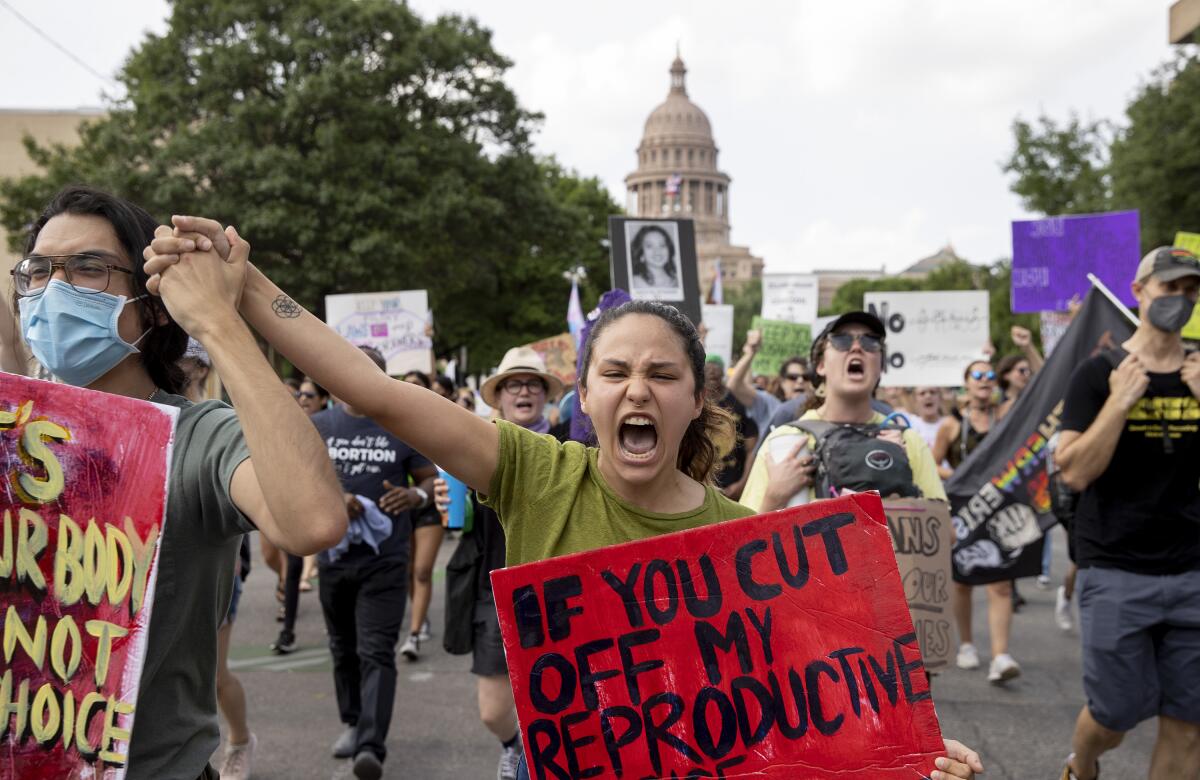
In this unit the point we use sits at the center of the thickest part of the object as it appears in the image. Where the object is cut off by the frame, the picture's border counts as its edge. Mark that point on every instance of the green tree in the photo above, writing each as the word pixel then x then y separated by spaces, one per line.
pixel 358 148
pixel 1150 162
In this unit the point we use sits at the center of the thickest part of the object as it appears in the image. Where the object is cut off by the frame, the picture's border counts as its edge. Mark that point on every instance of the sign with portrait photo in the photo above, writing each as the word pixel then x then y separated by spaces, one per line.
pixel 655 260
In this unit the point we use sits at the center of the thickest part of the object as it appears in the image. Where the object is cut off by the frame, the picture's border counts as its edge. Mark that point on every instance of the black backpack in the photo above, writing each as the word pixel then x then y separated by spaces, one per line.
pixel 853 457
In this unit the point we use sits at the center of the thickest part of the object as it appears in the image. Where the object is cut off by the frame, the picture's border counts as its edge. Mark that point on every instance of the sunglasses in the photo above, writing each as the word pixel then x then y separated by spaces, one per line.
pixel 844 342
pixel 977 375
pixel 793 377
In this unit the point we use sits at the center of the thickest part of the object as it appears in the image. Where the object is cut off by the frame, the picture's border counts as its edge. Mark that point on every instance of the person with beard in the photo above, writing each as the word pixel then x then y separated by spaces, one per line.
pixel 641 385
pixel 1130 444
pixel 518 391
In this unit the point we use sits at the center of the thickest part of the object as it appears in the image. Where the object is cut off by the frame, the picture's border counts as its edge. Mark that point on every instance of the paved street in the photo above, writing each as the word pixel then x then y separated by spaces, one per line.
pixel 1023 730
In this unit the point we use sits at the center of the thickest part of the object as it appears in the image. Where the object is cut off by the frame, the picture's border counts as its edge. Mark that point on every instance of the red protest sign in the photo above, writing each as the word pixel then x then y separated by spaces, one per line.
pixel 84 492
pixel 777 646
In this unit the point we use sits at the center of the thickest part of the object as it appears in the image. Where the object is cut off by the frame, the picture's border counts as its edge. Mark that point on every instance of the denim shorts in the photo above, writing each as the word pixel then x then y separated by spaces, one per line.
pixel 1141 646
pixel 234 598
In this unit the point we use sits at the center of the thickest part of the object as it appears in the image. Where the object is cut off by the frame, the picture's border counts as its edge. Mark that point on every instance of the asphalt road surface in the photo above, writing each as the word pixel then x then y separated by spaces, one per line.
pixel 1022 730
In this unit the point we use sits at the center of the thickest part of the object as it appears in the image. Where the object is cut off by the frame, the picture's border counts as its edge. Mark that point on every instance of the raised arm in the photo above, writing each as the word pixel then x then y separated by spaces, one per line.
pixel 287 487
pixel 457 440
pixel 739 380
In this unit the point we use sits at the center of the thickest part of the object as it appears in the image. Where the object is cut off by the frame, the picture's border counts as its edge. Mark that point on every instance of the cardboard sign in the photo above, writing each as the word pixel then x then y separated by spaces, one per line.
pixel 931 336
pixel 745 649
pixel 1052 258
pixel 1190 242
pixel 790 297
pixel 558 353
pixel 84 498
pixel 395 323
pixel 718 319
pixel 655 260
pixel 780 341
pixel 922 537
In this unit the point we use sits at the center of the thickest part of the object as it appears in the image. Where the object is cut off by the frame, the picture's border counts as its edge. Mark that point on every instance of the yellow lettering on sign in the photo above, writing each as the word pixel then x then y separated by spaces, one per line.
pixel 31 540
pixel 15 631
pixel 34 452
pixel 105 633
pixel 10 707
pixel 68 561
pixel 113 733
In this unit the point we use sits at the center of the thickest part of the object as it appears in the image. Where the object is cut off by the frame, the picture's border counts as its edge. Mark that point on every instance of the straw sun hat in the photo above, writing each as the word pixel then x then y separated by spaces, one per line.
pixel 519 360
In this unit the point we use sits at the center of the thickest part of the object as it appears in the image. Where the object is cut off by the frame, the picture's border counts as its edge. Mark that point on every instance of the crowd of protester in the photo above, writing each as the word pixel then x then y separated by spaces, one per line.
pixel 335 470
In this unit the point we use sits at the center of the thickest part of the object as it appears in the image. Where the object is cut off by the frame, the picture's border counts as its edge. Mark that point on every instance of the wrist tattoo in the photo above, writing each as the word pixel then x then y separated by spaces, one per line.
pixel 286 308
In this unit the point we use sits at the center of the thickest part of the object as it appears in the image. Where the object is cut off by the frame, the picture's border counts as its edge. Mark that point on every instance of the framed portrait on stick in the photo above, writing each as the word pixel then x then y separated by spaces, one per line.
pixel 655 260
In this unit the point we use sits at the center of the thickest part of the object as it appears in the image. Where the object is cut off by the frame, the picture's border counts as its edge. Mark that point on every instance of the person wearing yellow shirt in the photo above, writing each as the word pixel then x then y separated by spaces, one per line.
pixel 848 360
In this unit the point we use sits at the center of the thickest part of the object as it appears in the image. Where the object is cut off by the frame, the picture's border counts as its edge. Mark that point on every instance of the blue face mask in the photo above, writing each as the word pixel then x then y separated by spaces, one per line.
pixel 73 334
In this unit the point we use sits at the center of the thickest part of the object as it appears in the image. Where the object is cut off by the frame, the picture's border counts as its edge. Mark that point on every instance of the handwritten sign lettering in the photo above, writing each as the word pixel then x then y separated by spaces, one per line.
pixel 922 536
pixel 780 341
pixel 1052 258
pixel 742 649
pixel 790 298
pixel 395 323
pixel 83 503
pixel 931 336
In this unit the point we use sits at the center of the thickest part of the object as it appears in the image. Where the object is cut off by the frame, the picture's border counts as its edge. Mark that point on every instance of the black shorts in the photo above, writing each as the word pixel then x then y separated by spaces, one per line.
pixel 427 516
pixel 487 656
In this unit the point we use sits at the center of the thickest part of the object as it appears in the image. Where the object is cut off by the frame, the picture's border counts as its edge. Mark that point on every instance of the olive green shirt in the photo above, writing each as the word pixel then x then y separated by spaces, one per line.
pixel 175 720
pixel 552 500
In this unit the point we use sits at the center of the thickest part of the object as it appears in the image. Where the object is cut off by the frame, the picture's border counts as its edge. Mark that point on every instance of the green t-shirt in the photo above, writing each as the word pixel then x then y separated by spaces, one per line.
pixel 552 500
pixel 175 721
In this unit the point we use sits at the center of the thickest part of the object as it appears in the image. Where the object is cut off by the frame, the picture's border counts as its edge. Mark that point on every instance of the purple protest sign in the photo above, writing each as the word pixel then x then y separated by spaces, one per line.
pixel 1052 258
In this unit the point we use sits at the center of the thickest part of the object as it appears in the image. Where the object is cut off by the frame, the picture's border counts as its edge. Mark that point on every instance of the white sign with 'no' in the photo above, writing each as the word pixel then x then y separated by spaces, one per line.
pixel 931 336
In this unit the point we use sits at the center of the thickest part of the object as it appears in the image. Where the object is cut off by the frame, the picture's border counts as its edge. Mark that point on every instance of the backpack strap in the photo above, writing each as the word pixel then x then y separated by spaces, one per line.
pixel 818 429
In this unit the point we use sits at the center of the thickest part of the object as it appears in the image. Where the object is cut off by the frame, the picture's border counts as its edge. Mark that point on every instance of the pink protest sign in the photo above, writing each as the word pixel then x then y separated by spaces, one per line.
pixel 83 498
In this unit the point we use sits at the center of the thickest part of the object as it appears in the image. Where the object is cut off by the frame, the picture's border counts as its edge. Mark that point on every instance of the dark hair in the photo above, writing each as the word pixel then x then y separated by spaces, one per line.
pixel 967 370
pixel 1007 364
pixel 638 254
pixel 292 382
pixel 422 378
pixel 446 383
pixel 803 361
pixel 375 355
pixel 163 345
pixel 710 433
pixel 320 390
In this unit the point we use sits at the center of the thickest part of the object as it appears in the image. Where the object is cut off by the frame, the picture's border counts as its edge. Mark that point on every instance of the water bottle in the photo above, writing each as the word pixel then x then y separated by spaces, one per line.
pixel 455 516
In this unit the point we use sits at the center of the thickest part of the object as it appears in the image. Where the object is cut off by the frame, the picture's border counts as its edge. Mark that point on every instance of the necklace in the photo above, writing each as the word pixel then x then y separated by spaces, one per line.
pixel 152 392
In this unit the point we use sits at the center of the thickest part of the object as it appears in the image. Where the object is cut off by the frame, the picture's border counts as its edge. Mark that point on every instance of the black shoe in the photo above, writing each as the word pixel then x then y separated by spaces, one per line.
pixel 345 744
pixel 367 766
pixel 286 643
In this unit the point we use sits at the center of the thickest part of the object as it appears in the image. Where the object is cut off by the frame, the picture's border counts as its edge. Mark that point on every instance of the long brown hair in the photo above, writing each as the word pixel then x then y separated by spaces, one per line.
pixel 710 434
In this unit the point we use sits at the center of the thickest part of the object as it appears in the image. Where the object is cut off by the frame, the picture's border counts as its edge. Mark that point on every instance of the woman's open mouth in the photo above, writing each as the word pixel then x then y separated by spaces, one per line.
pixel 638 437
pixel 855 367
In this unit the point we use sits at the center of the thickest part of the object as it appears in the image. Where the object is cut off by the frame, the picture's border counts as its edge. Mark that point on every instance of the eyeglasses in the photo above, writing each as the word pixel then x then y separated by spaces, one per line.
pixel 515 386
pixel 977 375
pixel 843 342
pixel 793 377
pixel 85 273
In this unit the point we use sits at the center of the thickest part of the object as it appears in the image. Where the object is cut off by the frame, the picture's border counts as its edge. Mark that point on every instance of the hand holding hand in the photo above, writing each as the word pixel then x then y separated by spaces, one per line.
pixel 960 762
pixel 1128 382
pixel 1191 372
pixel 198 286
pixel 398 499
pixel 1021 337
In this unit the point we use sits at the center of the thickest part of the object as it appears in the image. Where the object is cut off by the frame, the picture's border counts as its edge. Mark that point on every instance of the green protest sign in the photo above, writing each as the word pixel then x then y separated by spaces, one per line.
pixel 780 341
pixel 1190 242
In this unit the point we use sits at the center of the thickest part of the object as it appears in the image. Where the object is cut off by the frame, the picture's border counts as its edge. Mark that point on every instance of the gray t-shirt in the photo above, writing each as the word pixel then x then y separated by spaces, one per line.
pixel 175 722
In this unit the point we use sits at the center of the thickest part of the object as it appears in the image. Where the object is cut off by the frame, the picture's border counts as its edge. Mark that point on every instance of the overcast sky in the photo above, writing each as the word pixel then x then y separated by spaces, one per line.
pixel 858 134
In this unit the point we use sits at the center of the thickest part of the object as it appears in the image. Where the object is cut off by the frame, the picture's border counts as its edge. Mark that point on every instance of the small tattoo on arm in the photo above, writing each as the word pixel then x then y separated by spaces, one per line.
pixel 286 308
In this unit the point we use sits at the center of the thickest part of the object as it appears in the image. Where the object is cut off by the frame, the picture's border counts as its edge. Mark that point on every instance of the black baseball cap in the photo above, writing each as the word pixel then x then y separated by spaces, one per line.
pixel 873 324
pixel 1168 263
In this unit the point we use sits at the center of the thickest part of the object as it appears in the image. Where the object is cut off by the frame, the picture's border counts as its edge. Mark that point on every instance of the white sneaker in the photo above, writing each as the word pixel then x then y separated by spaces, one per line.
pixel 425 634
pixel 1003 669
pixel 1043 582
pixel 968 656
pixel 411 649
pixel 1062 610
pixel 510 759
pixel 239 759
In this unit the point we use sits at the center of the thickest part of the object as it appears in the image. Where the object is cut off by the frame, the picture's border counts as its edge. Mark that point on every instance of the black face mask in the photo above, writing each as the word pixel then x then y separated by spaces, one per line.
pixel 1170 312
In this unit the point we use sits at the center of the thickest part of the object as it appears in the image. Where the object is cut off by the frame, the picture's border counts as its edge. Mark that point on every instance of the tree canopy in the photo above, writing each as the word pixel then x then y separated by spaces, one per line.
pixel 358 148
pixel 1150 162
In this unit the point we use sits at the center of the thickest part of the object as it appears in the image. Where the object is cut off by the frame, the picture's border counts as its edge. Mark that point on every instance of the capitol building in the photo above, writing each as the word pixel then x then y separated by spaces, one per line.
pixel 677 176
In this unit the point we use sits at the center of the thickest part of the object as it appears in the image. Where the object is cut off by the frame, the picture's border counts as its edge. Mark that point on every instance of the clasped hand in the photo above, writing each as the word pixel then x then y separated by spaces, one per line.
pixel 198 269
